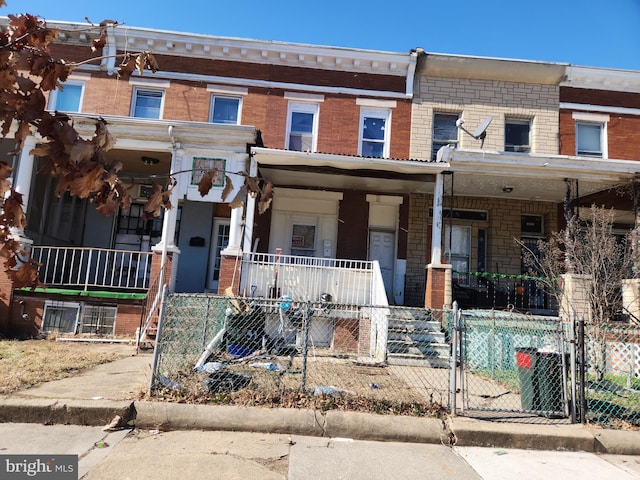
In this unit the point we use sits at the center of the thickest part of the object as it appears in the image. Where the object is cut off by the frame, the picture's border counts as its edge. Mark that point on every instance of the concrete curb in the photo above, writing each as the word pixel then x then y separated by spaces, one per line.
pixel 72 412
pixel 459 431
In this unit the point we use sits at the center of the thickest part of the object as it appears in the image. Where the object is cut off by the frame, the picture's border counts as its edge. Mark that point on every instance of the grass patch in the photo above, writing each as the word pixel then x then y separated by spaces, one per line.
pixel 27 363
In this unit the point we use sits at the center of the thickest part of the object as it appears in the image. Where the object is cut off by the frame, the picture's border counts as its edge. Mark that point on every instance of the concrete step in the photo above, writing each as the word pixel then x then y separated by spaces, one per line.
pixel 417 337
pixel 407 359
pixel 408 324
pixel 438 349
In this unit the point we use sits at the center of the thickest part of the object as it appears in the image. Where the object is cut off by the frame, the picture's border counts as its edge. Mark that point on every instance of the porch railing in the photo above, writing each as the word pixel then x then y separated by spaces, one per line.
pixel 93 267
pixel 352 282
pixel 502 291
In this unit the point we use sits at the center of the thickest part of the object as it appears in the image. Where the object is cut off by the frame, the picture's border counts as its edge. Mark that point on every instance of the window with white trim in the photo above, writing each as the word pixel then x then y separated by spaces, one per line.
pixel 147 103
pixel 225 109
pixel 445 132
pixel 375 128
pixel 99 320
pixel 589 139
pixel 68 97
pixel 517 135
pixel 302 127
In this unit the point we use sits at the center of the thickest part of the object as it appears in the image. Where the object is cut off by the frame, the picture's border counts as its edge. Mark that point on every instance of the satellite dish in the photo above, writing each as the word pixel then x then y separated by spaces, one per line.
pixel 480 132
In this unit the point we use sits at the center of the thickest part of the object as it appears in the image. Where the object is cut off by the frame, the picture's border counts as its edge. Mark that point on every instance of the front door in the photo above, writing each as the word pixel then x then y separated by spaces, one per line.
pixel 220 241
pixel 382 249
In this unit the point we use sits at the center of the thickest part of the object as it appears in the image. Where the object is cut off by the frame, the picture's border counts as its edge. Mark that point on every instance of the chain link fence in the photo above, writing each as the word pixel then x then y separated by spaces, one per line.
pixel 279 352
pixel 612 374
pixel 282 352
pixel 512 362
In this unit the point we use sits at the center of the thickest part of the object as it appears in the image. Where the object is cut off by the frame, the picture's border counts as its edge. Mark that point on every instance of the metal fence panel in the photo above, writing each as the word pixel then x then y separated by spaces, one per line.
pixel 514 362
pixel 267 351
pixel 612 380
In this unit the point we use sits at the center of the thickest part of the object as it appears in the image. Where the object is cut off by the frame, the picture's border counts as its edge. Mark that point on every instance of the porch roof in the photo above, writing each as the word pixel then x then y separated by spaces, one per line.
pixel 287 167
pixel 528 176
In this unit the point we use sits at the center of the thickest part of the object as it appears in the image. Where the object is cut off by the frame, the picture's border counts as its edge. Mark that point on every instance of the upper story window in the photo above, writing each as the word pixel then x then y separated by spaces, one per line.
pixel 375 127
pixel 445 132
pixel 517 135
pixel 591 138
pixel 302 127
pixel 147 103
pixel 374 132
pixel 226 104
pixel 69 97
pixel 225 109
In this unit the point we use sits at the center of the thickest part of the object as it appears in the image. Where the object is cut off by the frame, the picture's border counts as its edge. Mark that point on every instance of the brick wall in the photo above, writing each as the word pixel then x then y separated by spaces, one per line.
pixel 623 135
pixel 478 99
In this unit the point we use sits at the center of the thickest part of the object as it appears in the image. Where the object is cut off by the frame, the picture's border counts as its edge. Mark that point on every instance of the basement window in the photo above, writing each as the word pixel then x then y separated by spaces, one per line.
pixel 60 317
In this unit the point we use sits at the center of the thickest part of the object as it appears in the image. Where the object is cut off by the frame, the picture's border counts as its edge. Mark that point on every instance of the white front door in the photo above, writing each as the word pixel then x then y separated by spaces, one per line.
pixel 382 249
pixel 219 241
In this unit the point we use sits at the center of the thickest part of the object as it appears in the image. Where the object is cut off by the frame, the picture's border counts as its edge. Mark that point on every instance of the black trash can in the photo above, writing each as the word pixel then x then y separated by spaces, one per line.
pixel 541 381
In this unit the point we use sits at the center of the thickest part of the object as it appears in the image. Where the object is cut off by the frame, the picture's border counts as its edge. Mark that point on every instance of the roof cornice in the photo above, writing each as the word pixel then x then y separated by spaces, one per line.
pixel 183 44
pixel 602 79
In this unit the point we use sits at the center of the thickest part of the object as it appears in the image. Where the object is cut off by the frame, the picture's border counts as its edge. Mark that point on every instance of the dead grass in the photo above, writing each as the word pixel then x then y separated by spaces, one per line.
pixel 27 363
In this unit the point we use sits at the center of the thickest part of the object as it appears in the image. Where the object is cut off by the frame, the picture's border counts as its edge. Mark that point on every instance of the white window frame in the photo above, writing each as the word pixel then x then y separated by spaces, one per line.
pixel 53 96
pixel 134 99
pixel 215 96
pixel 600 120
pixel 382 113
pixel 303 107
pixel 106 313
pixel 517 121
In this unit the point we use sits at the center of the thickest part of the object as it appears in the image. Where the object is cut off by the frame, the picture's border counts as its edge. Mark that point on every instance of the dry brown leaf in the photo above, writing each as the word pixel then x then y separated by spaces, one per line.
pixel 228 187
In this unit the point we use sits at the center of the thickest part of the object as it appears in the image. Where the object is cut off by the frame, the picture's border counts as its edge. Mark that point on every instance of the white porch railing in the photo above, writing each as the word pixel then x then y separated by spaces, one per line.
pixel 93 267
pixel 349 282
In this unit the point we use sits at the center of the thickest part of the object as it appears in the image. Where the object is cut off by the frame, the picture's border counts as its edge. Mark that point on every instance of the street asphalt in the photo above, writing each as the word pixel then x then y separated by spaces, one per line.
pixel 96 396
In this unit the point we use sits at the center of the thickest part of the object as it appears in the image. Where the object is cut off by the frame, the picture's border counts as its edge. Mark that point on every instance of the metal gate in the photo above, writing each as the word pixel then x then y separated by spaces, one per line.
pixel 512 362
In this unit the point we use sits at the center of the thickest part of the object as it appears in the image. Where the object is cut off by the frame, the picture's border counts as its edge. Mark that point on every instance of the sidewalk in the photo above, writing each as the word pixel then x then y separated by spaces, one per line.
pixel 96 396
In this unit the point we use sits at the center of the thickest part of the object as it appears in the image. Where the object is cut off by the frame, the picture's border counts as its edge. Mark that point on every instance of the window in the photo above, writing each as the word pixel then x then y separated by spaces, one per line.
pixel 517 135
pixel 457 249
pixel 589 139
pixel 445 131
pixel 303 240
pixel 302 127
pixel 147 103
pixel 132 221
pixel 225 110
pixel 60 317
pixel 374 133
pixel 68 98
pixel 99 320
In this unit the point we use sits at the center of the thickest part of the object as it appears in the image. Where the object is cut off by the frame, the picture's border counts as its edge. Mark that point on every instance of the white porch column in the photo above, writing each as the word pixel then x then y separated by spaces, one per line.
pixel 24 172
pixel 436 228
pixel 167 242
pixel 235 233
pixel 247 241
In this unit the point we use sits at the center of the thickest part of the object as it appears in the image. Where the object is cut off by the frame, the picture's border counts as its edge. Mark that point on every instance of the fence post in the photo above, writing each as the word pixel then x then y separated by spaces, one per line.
pixel 582 359
pixel 156 347
pixel 305 346
pixel 572 361
pixel 453 359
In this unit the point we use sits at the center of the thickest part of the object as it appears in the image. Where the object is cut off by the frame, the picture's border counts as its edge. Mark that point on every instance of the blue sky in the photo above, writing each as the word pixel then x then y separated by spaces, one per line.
pixel 589 33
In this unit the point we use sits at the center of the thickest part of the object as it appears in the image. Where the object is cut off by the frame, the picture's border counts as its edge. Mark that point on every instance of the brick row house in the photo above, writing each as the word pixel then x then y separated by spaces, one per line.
pixel 375 159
